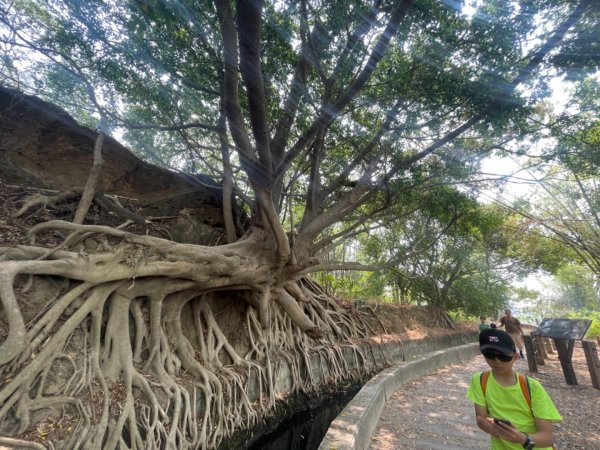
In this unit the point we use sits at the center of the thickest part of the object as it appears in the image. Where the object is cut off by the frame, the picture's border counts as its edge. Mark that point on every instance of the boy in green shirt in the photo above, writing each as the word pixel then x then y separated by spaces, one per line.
pixel 482 324
pixel 502 394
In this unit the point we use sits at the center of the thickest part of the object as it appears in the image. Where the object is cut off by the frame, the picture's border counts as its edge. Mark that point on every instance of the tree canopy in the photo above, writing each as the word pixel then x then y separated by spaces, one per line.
pixel 319 118
pixel 327 122
pixel 334 107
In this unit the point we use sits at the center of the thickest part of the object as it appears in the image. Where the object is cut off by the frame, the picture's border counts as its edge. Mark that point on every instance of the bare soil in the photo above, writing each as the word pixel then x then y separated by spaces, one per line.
pixel 408 322
pixel 579 405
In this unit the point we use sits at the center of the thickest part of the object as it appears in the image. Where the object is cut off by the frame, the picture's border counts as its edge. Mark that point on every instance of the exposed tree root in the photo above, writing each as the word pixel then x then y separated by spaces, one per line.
pixel 441 319
pixel 44 201
pixel 133 349
pixel 20 443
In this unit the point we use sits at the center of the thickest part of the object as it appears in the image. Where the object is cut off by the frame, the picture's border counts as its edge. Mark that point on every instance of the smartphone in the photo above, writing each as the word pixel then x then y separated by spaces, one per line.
pixel 505 422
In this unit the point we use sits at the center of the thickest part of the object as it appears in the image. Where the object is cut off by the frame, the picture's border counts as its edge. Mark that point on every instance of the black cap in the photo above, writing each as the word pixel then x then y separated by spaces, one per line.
pixel 494 339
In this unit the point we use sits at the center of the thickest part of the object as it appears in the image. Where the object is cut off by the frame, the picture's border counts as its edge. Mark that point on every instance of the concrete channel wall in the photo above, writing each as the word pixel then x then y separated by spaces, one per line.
pixel 375 357
pixel 354 426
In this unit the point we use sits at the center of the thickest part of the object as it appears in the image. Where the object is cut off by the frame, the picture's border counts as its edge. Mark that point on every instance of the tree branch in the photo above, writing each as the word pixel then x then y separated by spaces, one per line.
pixel 230 92
pixel 330 111
pixel 500 97
pixel 249 20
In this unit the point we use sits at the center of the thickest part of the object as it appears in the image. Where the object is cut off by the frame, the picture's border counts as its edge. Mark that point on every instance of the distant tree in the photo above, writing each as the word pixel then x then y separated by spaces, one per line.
pixel 577 289
pixel 449 254
pixel 564 211
pixel 536 306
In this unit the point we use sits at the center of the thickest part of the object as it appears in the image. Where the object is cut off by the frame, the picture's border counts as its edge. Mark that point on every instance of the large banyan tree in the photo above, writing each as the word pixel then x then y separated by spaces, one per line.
pixel 307 119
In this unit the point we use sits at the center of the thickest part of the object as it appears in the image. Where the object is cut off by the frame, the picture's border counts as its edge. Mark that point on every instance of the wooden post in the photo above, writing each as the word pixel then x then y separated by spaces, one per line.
pixel 548 345
pixel 564 347
pixel 542 344
pixel 593 363
pixel 540 351
pixel 529 349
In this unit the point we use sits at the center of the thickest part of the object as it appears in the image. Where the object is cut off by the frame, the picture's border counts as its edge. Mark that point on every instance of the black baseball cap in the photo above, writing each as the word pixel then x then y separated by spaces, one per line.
pixel 498 340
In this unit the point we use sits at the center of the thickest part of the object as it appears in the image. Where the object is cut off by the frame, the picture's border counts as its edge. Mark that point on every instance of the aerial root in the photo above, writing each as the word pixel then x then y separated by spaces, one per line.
pixel 296 314
pixel 121 356
pixel 120 324
pixel 206 325
pixel 20 443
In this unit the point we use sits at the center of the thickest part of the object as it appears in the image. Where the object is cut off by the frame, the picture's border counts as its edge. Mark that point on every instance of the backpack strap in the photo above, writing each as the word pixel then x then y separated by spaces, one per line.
pixel 523 382
pixel 483 379
pixel 525 388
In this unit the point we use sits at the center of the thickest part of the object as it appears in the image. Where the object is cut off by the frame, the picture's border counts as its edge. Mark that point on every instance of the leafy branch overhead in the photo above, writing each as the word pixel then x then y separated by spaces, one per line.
pixel 346 98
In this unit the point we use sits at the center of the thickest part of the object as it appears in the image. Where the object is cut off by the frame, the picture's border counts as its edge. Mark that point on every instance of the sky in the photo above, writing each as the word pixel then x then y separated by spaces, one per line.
pixel 518 184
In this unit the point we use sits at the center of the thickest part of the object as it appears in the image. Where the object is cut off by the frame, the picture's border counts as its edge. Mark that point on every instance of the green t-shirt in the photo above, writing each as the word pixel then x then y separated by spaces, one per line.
pixel 484 326
pixel 508 403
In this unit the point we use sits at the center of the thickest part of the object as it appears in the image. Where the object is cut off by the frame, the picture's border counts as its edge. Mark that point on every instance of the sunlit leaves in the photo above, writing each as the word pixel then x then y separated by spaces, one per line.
pixel 579 55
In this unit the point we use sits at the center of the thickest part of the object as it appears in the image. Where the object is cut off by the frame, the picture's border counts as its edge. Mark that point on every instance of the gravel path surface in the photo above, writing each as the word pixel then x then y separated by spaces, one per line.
pixel 433 413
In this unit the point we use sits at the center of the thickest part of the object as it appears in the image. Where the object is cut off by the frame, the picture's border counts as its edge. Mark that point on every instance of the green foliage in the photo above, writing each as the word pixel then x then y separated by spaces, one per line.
pixel 580 152
pixel 354 285
pixel 572 292
pixel 480 295
pixel 461 317
pixel 577 288
pixel 363 285
pixel 594 316
pixel 577 57
pixel 537 250
pixel 443 249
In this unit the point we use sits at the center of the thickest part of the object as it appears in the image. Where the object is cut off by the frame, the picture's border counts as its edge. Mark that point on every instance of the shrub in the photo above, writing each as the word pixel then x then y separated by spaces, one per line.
pixel 594 316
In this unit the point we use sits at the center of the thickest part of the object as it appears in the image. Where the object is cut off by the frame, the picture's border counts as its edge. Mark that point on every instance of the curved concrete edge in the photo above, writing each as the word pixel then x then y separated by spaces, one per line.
pixel 353 427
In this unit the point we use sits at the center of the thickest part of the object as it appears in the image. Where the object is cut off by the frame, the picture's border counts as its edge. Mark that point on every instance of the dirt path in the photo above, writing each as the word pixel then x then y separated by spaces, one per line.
pixel 433 413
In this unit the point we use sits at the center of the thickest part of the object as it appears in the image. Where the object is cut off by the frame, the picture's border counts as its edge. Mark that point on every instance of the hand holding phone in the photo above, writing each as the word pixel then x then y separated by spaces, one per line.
pixel 505 422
